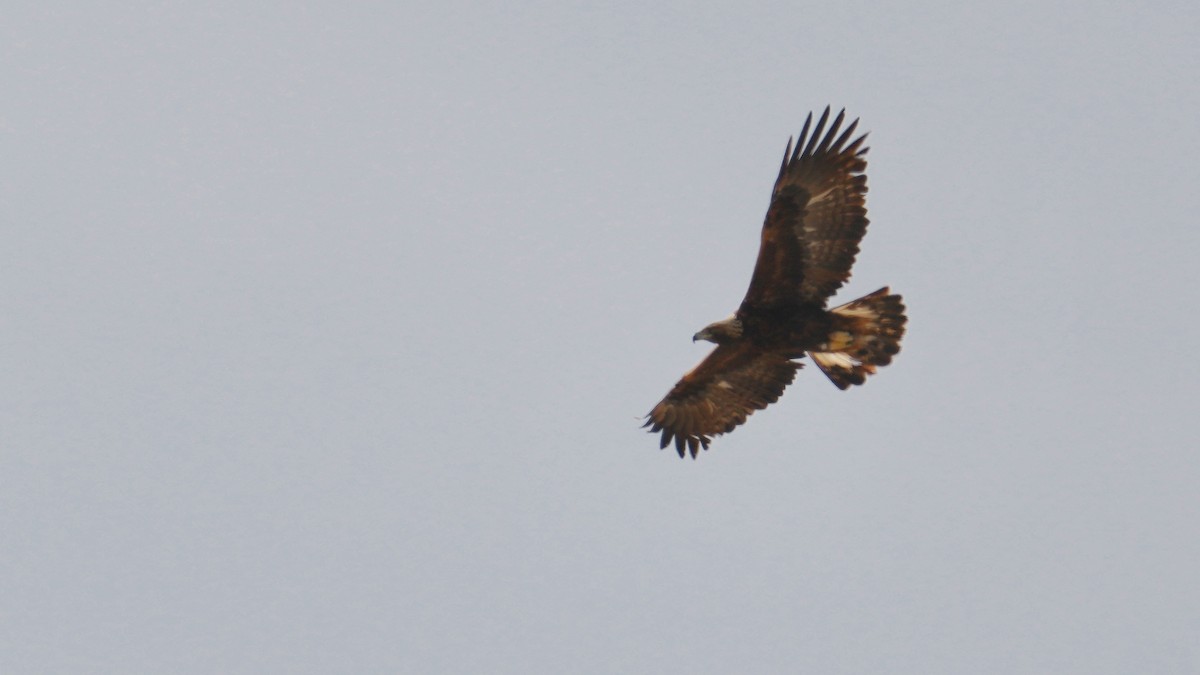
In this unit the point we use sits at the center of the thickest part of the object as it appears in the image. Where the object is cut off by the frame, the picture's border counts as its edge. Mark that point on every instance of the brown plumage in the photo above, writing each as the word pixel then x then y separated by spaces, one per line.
pixel 809 241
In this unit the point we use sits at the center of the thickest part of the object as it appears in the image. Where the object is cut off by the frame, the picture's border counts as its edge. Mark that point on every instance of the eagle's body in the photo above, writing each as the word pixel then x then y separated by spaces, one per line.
pixel 809 240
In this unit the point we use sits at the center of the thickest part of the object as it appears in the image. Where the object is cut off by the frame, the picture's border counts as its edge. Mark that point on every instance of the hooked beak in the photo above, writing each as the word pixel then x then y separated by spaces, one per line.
pixel 702 335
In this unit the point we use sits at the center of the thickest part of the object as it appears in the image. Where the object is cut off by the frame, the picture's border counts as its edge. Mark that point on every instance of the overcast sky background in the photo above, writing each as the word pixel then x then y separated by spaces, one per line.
pixel 327 332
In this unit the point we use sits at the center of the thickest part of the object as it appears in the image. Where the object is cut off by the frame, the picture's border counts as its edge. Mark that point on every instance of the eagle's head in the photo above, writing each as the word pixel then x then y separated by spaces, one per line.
pixel 721 332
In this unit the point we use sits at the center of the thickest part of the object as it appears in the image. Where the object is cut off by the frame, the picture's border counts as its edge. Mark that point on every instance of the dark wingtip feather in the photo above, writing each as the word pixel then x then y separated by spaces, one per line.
pixel 812 142
pixel 856 147
pixel 833 129
pixel 803 138
pixel 786 154
pixel 841 141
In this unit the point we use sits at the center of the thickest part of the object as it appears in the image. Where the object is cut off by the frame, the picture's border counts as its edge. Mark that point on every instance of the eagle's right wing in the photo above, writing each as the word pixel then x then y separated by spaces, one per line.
pixel 816 219
pixel 719 394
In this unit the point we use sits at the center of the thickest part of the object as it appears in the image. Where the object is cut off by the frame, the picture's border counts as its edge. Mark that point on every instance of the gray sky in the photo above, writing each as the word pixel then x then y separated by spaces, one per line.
pixel 327 335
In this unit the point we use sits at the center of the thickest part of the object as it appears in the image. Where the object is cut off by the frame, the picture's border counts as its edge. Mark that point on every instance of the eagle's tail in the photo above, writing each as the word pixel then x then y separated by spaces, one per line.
pixel 866 334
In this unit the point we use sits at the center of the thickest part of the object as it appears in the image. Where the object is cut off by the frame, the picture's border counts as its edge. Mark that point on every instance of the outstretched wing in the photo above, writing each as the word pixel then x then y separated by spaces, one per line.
pixel 720 393
pixel 816 219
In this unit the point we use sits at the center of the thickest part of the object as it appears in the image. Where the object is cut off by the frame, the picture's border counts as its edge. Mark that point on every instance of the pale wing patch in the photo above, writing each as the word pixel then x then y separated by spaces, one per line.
pixel 835 360
pixel 856 311
pixel 816 199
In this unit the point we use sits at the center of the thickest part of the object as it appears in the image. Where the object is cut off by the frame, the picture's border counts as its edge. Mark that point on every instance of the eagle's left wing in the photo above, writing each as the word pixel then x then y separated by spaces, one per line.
pixel 720 393
pixel 816 219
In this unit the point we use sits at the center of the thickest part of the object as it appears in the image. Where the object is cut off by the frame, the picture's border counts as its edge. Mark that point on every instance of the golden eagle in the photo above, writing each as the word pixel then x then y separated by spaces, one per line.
pixel 809 240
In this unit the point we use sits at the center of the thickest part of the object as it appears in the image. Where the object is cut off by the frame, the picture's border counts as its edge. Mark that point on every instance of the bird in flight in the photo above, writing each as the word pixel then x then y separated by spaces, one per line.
pixel 810 237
